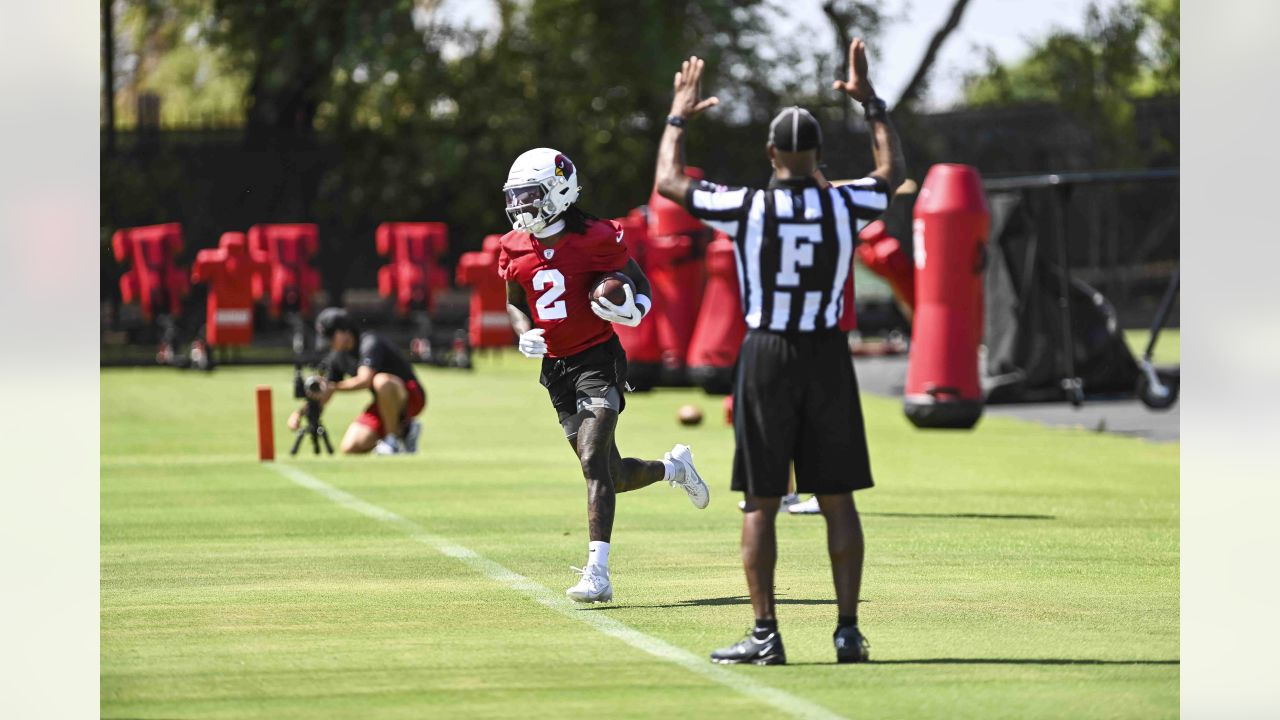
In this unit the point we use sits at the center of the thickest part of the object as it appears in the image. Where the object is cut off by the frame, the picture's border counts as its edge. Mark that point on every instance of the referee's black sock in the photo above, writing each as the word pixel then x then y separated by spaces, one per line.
pixel 845 621
pixel 764 628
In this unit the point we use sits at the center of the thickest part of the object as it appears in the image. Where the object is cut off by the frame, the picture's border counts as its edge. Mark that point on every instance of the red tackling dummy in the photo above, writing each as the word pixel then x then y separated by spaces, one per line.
pixel 488 324
pixel 413 276
pixel 155 281
pixel 230 270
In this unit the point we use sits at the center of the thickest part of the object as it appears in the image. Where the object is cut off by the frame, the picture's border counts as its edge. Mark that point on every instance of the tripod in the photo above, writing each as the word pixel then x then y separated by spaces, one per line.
pixel 313 427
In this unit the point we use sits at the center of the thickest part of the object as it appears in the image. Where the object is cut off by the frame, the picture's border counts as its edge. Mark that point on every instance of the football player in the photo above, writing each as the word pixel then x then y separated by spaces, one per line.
pixel 551 260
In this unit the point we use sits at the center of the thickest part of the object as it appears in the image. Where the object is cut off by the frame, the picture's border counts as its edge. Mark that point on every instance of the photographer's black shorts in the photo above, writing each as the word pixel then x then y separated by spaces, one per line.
pixel 796 398
pixel 595 377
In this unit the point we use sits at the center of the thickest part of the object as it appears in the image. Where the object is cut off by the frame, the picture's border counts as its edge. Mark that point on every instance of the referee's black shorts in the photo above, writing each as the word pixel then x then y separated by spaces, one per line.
pixel 796 398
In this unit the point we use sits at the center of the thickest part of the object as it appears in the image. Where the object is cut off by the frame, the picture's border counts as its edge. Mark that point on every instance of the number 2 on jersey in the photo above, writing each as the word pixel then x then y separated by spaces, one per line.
pixel 549 306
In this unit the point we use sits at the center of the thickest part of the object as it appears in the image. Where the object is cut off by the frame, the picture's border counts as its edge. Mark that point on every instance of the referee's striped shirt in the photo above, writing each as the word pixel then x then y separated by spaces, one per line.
pixel 793 243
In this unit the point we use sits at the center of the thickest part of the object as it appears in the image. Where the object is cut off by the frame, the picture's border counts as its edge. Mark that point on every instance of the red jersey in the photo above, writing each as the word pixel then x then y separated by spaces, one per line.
pixel 558 280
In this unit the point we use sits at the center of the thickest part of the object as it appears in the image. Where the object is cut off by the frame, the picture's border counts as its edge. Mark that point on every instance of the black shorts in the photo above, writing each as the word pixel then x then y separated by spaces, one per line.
pixel 796 398
pixel 595 377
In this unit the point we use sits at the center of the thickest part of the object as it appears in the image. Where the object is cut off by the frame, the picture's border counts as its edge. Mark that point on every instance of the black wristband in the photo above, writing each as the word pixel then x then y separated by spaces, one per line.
pixel 675 120
pixel 875 109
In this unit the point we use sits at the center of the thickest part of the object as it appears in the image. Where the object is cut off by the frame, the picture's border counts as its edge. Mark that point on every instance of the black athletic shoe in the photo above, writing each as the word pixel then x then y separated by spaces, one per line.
pixel 750 650
pixel 851 646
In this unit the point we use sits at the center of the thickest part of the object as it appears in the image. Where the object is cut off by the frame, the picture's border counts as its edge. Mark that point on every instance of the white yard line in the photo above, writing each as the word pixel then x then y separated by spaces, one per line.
pixel 783 701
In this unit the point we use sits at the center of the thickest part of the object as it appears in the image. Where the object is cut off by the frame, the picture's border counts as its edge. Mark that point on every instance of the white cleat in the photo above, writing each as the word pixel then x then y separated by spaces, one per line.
pixel 688 477
pixel 411 436
pixel 784 506
pixel 389 445
pixel 593 587
pixel 808 507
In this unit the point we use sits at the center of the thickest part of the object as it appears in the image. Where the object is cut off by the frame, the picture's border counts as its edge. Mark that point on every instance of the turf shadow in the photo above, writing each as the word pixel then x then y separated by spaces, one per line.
pixel 966 516
pixel 1022 661
pixel 720 601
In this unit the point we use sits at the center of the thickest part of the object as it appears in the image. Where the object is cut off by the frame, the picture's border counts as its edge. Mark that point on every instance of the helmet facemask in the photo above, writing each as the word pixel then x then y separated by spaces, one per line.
pixel 529 207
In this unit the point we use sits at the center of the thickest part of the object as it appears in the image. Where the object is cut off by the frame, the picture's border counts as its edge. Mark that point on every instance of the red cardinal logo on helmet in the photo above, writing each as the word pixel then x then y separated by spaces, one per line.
pixel 564 166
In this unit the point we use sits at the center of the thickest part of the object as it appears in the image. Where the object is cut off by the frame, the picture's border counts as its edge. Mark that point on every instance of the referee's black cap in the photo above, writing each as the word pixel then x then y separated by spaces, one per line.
pixel 331 320
pixel 795 130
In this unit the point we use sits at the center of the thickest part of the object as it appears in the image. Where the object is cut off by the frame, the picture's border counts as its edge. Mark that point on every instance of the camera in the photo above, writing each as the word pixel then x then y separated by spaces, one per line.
pixel 304 387
pixel 311 385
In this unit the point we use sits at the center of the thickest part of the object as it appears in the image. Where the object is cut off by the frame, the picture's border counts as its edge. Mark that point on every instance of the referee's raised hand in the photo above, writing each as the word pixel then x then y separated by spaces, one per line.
pixel 688 85
pixel 858 86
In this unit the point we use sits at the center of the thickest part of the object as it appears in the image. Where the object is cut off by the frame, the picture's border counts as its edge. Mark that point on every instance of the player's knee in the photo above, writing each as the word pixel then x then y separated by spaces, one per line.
pixel 386 382
pixel 765 507
pixel 595 463
pixel 358 440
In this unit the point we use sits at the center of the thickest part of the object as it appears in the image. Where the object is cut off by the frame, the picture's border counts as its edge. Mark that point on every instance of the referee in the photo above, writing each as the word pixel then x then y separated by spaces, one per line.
pixel 796 397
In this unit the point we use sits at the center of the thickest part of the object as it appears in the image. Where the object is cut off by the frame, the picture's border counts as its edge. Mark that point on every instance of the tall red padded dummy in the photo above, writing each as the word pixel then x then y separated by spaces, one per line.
pixel 951 222
pixel 676 270
pixel 717 337
pixel 882 254
pixel 229 270
pixel 488 325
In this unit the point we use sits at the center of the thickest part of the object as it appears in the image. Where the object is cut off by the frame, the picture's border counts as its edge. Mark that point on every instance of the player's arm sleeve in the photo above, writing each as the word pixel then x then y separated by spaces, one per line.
pixel 866 198
pixel 372 353
pixel 720 206
pixel 333 368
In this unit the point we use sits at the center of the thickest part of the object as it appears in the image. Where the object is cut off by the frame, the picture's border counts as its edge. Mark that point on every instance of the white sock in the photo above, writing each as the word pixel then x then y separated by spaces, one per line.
pixel 669 470
pixel 598 554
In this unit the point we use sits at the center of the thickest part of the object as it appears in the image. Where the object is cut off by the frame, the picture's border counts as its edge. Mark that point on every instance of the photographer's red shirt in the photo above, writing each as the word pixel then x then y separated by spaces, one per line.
pixel 557 281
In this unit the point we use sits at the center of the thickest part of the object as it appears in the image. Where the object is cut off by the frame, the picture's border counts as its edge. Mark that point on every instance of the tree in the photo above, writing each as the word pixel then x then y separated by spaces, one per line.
pixel 920 79
pixel 167 49
pixel 1160 73
pixel 1127 53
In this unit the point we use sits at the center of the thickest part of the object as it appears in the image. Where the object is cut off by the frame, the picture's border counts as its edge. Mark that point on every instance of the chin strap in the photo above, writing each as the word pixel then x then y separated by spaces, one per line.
pixel 551 229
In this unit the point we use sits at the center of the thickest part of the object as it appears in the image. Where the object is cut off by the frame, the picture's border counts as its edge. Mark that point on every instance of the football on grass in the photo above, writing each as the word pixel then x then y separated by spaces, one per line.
pixel 610 286
pixel 689 415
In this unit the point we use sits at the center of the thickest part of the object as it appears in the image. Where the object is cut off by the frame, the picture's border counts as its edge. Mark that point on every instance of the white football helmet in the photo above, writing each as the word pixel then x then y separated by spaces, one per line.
pixel 541 185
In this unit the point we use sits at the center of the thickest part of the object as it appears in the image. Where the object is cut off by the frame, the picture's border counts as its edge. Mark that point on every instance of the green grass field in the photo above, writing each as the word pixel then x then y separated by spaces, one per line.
pixel 1015 571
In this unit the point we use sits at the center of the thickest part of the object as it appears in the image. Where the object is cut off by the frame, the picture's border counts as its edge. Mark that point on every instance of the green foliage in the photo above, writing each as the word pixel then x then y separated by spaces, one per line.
pixel 1130 51
pixel 1126 53
pixel 1160 74
pixel 171 49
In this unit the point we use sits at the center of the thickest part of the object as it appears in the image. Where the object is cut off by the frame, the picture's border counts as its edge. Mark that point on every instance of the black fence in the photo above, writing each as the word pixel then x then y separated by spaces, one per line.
pixel 1119 228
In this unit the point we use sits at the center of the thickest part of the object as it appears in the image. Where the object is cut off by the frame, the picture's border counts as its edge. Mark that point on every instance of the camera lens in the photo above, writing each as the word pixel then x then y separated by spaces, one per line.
pixel 313 384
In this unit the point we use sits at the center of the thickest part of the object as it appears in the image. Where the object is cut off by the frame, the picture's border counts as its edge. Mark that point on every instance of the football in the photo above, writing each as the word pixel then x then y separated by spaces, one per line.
pixel 610 286
pixel 689 415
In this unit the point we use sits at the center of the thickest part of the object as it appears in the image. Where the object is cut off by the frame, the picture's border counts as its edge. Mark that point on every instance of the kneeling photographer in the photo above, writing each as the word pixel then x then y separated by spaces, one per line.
pixel 387 426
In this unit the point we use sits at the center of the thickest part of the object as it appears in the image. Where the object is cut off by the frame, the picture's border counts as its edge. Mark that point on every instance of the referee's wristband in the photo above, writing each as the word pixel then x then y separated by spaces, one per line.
pixel 676 120
pixel 875 109
pixel 644 303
